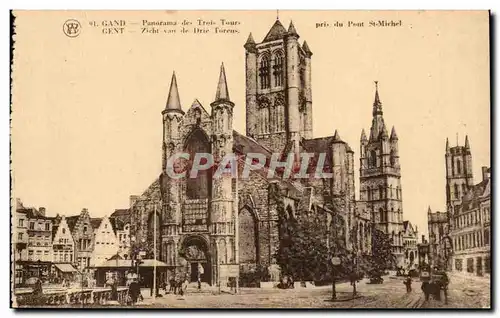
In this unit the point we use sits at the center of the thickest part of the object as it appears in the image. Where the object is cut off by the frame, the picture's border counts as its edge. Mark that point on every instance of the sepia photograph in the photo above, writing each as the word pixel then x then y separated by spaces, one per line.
pixel 250 159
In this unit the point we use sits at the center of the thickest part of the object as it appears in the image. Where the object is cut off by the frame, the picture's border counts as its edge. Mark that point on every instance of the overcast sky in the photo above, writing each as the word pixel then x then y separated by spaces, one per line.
pixel 87 119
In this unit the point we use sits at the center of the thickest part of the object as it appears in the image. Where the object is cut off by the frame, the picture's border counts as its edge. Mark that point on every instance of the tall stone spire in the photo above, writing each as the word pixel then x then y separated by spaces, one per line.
pixel 377 105
pixel 173 101
pixel 222 93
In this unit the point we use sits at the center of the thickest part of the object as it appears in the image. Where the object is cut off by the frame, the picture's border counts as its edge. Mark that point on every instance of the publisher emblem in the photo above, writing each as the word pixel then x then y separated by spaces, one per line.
pixel 72 28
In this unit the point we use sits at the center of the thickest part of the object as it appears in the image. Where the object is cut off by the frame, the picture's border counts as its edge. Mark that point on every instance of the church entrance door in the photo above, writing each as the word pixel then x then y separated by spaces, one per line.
pixel 195 252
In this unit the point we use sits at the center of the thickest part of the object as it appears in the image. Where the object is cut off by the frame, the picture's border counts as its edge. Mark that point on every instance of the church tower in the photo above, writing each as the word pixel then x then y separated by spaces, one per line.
pixel 380 177
pixel 170 188
pixel 222 214
pixel 278 89
pixel 458 171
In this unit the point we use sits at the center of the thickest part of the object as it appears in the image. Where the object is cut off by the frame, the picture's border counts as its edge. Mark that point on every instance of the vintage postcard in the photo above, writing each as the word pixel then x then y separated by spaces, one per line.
pixel 251 159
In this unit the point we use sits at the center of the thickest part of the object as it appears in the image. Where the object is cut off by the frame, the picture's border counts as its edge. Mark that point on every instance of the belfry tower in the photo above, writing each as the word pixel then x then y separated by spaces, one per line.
pixel 278 89
pixel 380 177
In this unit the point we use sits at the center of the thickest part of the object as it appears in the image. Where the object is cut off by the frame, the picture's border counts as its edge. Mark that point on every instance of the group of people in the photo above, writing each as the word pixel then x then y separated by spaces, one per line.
pixel 431 286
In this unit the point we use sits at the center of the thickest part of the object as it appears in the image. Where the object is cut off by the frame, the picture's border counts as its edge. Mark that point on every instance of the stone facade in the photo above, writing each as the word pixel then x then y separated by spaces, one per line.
pixel 460 237
pixel 224 227
pixel 470 229
pixel 410 241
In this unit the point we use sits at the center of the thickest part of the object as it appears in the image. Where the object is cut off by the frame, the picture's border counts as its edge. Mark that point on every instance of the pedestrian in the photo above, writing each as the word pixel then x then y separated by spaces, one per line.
pixel 425 288
pixel 134 291
pixel 407 283
pixel 199 280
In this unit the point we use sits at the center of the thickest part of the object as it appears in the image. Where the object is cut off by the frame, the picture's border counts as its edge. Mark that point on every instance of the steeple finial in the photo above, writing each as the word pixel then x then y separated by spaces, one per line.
pixel 447 145
pixel 429 211
pixel 222 91
pixel 467 146
pixel 457 139
pixel 377 105
pixel 173 101
pixel 277 14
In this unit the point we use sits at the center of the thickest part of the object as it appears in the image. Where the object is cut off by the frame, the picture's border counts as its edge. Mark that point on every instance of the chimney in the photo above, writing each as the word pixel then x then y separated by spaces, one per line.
pixel 486 173
pixel 41 210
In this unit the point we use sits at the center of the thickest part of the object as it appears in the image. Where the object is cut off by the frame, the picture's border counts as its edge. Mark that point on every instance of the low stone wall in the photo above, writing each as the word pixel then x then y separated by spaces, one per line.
pixel 70 297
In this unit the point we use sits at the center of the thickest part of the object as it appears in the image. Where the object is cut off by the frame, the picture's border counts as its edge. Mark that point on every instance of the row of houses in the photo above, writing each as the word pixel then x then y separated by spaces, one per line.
pixel 460 238
pixel 42 243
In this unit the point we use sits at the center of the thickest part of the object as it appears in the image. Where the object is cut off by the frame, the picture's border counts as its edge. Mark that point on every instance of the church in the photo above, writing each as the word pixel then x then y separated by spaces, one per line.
pixel 221 228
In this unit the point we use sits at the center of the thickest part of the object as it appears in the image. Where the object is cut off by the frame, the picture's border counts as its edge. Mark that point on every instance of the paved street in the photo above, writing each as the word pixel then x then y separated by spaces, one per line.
pixel 465 292
pixel 390 294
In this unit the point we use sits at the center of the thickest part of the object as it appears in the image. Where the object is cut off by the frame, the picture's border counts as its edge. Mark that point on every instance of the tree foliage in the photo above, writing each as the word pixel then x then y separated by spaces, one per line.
pixel 303 253
pixel 382 256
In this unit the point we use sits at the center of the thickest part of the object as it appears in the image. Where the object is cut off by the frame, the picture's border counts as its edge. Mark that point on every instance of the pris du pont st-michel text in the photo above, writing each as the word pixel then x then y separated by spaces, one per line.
pixel 359 24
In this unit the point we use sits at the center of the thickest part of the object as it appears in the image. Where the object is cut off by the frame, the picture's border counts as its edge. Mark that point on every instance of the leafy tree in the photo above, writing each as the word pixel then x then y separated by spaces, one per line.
pixel 382 255
pixel 303 253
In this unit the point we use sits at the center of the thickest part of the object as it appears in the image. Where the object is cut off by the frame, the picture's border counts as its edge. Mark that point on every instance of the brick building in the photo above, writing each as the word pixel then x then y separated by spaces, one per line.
pixel 64 245
pixel 83 235
pixel 120 219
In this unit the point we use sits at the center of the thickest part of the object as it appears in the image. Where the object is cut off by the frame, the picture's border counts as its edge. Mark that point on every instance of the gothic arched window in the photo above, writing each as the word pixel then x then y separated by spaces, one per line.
pixel 278 69
pixel 381 192
pixel 199 187
pixel 459 167
pixel 373 158
pixel 264 73
pixel 457 194
pixel 382 215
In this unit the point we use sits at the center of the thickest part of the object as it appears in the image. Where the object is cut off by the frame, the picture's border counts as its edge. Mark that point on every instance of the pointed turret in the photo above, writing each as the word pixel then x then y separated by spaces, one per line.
pixel 336 137
pixel 394 136
pixel 377 105
pixel 363 135
pixel 467 146
pixel 429 211
pixel 447 146
pixel 306 49
pixel 173 101
pixel 250 43
pixel 222 93
pixel 291 30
